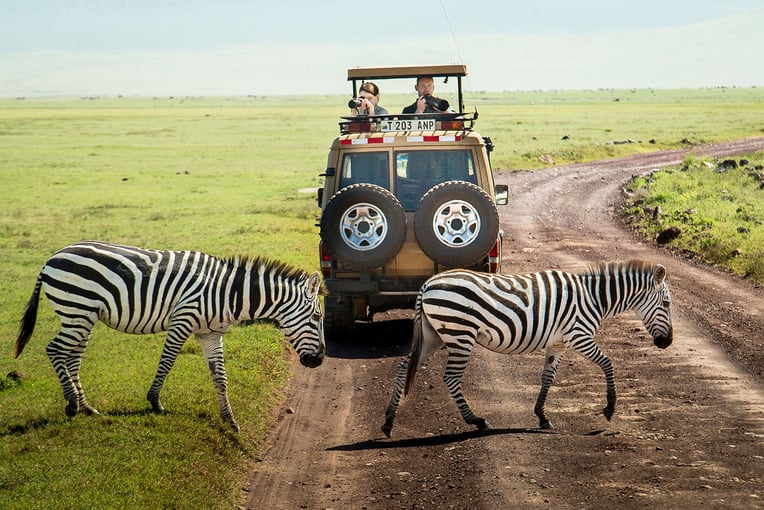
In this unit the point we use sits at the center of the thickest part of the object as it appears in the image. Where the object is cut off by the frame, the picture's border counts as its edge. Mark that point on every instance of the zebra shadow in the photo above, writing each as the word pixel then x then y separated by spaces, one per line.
pixel 415 442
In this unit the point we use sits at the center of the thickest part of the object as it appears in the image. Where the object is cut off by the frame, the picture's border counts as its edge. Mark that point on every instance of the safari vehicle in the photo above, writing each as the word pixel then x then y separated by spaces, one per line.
pixel 405 196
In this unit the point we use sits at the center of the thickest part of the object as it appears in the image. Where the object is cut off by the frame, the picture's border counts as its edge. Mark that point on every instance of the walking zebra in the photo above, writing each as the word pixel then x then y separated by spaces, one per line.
pixel 140 291
pixel 551 310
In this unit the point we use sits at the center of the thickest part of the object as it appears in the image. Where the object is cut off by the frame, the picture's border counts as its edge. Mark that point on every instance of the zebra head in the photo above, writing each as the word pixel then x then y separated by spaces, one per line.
pixel 654 309
pixel 303 323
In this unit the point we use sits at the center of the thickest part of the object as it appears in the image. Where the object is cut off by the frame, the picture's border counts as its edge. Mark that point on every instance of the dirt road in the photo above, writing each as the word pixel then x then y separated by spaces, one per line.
pixel 689 426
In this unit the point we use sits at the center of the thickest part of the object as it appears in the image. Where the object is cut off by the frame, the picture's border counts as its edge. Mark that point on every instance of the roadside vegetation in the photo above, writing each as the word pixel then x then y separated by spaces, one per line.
pixel 705 209
pixel 229 176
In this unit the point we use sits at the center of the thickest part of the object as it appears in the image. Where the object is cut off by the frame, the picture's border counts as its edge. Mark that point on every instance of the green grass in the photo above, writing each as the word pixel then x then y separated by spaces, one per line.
pixel 206 174
pixel 221 175
pixel 528 127
pixel 720 213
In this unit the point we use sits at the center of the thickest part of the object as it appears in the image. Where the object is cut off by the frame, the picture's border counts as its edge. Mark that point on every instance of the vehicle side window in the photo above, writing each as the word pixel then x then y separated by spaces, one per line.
pixel 365 167
pixel 418 171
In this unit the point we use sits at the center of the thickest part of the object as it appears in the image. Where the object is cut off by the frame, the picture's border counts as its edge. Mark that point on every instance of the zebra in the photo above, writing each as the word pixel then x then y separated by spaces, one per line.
pixel 139 291
pixel 552 310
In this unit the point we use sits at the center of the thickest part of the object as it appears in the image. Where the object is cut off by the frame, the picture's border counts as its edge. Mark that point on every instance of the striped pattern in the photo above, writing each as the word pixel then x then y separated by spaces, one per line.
pixel 136 290
pixel 551 310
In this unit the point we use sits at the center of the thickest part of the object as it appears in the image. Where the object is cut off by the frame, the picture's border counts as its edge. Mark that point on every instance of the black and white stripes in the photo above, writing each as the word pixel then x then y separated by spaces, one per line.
pixel 552 310
pixel 138 291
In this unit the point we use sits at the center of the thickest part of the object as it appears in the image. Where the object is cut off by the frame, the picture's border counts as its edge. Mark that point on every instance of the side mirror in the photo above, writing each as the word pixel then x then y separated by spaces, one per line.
pixel 501 192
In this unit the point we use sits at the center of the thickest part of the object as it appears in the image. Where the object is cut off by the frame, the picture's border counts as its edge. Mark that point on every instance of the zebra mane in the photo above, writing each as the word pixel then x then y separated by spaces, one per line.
pixel 269 265
pixel 618 266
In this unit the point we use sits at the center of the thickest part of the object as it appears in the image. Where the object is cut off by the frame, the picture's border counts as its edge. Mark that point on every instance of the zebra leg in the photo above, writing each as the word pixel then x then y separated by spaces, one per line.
pixel 65 354
pixel 73 365
pixel 607 367
pixel 212 345
pixel 430 343
pixel 600 358
pixel 458 355
pixel 553 358
pixel 395 398
pixel 172 345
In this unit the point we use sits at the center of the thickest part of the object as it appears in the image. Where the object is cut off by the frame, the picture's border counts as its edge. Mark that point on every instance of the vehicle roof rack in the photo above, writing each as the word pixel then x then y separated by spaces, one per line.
pixel 398 122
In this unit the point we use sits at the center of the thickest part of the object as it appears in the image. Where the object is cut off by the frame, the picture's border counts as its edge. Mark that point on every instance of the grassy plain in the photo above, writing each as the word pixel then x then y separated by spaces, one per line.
pixel 222 175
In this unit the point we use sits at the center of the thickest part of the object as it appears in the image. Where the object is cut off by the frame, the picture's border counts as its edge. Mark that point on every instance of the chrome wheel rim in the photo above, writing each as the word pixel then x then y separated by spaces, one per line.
pixel 456 223
pixel 363 227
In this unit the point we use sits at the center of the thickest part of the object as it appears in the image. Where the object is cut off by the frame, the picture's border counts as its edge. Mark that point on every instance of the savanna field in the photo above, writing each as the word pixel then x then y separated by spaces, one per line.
pixel 236 176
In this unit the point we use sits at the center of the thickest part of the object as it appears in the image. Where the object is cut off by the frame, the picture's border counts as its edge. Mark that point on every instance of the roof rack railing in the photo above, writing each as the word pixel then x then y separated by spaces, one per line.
pixel 408 122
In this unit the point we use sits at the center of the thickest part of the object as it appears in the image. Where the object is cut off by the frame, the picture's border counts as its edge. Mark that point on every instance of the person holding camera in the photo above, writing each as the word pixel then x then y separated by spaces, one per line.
pixel 367 101
pixel 426 102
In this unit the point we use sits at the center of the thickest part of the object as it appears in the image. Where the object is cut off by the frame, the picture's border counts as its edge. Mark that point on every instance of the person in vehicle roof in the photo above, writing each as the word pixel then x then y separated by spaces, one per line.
pixel 426 102
pixel 368 95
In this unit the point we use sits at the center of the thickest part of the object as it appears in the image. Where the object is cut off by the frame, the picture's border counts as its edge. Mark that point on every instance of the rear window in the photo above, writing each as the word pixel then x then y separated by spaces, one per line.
pixel 418 171
pixel 368 167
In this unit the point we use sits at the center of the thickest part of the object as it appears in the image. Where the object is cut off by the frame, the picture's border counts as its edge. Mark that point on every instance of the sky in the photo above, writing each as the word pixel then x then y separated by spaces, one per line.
pixel 299 47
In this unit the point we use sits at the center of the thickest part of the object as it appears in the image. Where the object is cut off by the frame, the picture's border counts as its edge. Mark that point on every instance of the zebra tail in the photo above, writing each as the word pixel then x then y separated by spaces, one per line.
pixel 28 321
pixel 417 339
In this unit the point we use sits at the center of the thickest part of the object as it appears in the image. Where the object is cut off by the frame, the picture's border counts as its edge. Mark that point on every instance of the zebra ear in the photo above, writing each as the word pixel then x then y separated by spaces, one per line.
pixel 659 273
pixel 314 285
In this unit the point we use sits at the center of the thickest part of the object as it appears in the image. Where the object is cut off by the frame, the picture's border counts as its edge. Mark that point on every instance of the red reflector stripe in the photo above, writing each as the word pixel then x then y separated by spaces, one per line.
pixel 434 138
pixel 362 141
pixel 390 139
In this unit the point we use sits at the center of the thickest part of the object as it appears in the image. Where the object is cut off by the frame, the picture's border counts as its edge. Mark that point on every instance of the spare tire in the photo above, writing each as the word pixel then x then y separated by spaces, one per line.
pixel 363 226
pixel 456 224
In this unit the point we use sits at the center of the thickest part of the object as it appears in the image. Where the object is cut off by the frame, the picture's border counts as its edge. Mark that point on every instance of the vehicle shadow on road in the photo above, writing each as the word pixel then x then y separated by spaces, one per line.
pixel 378 339
pixel 415 442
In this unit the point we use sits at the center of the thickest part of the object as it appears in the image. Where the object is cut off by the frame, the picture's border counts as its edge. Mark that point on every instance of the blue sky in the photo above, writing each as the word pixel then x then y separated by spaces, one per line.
pixel 237 47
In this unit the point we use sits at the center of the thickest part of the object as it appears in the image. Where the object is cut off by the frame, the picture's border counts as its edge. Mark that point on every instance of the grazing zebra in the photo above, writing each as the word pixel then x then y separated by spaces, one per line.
pixel 135 290
pixel 551 310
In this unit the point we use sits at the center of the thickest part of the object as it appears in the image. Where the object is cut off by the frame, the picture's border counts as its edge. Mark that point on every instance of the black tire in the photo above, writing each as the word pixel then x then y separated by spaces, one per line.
pixel 363 226
pixel 456 224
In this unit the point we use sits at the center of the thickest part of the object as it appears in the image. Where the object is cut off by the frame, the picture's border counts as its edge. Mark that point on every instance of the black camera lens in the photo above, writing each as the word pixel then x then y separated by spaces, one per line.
pixel 436 102
pixel 355 102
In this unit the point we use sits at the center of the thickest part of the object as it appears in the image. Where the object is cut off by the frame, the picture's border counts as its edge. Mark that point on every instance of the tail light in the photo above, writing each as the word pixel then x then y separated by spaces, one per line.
pixel 494 257
pixel 325 259
pixel 451 125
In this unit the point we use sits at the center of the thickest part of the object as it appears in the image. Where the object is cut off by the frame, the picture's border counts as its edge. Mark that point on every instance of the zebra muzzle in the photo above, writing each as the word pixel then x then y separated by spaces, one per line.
pixel 311 360
pixel 662 341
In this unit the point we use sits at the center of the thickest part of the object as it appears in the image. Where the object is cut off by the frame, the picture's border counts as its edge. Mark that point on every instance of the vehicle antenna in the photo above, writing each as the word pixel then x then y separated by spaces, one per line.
pixel 451 29
pixel 453 36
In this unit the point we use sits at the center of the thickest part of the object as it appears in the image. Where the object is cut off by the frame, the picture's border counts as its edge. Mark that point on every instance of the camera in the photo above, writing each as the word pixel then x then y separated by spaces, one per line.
pixel 436 102
pixel 355 102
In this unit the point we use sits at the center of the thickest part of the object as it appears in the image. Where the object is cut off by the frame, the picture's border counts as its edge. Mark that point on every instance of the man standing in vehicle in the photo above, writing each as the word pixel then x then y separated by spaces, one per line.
pixel 426 103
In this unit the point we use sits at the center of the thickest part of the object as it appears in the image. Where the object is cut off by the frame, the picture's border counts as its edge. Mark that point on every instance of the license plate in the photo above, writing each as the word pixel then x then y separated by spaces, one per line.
pixel 408 125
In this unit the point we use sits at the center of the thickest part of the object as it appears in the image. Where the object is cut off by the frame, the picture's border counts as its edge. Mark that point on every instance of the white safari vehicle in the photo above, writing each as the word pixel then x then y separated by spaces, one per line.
pixel 405 196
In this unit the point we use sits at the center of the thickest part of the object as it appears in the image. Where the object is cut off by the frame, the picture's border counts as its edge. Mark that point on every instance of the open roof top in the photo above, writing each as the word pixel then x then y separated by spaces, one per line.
pixel 362 74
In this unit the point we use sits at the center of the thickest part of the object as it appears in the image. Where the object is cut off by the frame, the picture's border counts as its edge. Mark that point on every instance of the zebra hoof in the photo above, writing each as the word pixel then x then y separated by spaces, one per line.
pixel 546 425
pixel 608 412
pixel 482 424
pixel 157 408
pixel 89 410
pixel 387 429
pixel 72 409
